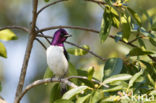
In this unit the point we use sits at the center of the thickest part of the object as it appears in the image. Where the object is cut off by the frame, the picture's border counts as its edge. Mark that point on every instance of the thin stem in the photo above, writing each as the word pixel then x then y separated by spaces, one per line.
pixel 41 43
pixel 89 30
pixel 97 1
pixel 16 27
pixel 89 51
pixel 82 77
pixel 69 27
pixel 53 3
pixel 43 34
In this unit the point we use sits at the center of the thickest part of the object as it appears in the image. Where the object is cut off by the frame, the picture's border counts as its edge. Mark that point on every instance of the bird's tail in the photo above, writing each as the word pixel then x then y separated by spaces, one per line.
pixel 63 88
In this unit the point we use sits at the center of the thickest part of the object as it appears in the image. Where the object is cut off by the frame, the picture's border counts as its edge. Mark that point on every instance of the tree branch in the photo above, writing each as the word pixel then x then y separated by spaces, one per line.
pixel 69 27
pixel 97 1
pixel 94 80
pixel 89 51
pixel 89 30
pixel 16 27
pixel 41 43
pixel 62 80
pixel 43 35
pixel 43 81
pixel 28 51
pixel 53 3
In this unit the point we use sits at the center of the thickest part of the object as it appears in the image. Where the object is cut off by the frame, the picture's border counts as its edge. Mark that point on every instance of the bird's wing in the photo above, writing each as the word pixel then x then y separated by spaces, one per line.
pixel 66 54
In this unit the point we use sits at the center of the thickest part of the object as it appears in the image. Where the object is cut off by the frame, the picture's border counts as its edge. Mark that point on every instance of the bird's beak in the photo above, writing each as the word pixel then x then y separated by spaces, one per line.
pixel 67 36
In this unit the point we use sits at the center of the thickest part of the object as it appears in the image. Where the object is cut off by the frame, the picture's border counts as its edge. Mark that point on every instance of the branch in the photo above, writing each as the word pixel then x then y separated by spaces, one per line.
pixel 69 27
pixel 28 52
pixel 89 30
pixel 43 35
pixel 62 80
pixel 41 43
pixel 43 81
pixel 82 77
pixel 97 1
pixel 16 27
pixel 53 3
pixel 91 52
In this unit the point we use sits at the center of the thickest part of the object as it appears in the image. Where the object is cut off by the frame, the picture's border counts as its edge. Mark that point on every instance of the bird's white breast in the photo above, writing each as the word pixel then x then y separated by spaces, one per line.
pixel 57 61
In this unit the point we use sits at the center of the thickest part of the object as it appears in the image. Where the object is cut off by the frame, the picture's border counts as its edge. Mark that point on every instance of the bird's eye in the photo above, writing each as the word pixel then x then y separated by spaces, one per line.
pixel 62 34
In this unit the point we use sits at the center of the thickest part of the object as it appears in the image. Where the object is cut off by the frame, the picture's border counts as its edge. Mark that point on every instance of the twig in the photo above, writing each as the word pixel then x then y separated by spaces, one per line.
pixel 97 1
pixel 43 34
pixel 43 81
pixel 89 30
pixel 28 51
pixel 16 27
pixel 91 52
pixel 70 27
pixel 41 43
pixel 82 77
pixel 55 2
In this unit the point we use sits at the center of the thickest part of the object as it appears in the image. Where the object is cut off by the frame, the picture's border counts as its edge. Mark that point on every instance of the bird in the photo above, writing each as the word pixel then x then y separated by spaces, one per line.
pixel 57 56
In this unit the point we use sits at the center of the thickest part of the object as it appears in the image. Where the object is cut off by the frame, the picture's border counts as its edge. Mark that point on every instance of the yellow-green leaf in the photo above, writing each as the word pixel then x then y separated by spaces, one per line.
pixel 3 52
pixel 105 24
pixel 74 91
pixel 125 28
pixel 7 35
pixel 90 72
pixel 135 16
pixel 118 77
pixel 138 51
pixel 134 78
pixel 78 51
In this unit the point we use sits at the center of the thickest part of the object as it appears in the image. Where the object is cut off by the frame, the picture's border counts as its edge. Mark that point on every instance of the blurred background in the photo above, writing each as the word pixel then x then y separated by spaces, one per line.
pixel 73 12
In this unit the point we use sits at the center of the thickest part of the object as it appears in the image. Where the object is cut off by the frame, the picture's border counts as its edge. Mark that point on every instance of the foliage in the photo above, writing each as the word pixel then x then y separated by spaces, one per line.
pixel 6 35
pixel 129 78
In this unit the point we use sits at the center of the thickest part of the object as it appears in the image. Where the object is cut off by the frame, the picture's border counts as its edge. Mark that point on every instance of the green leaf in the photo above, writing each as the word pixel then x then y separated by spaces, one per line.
pixel 96 96
pixel 7 35
pixel 117 77
pixel 3 52
pixel 134 78
pixel 74 91
pixel 46 0
pixel 154 26
pixel 78 51
pixel 141 43
pixel 48 73
pixel 115 22
pixel 55 93
pixel 125 28
pixel 90 72
pixel 114 17
pixel 152 41
pixel 138 51
pixel 63 101
pixel 105 24
pixel 135 16
pixel 116 88
pixel 112 66
pixel 83 99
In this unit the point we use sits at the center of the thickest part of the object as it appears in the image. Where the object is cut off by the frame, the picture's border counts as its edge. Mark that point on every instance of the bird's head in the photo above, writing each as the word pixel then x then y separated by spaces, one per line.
pixel 60 37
